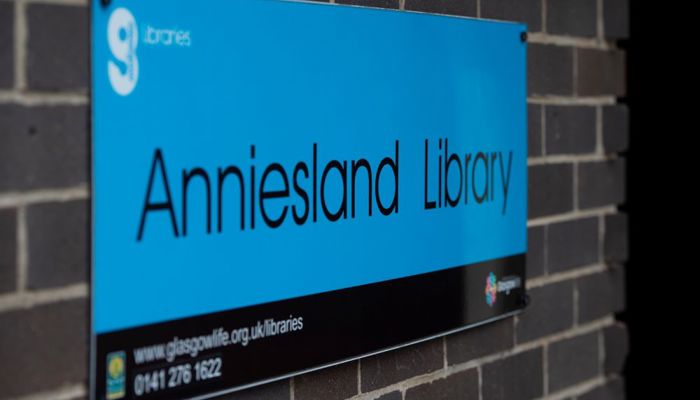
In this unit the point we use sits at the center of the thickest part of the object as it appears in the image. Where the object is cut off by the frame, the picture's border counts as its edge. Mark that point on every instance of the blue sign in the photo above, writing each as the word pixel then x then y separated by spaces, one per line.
pixel 267 174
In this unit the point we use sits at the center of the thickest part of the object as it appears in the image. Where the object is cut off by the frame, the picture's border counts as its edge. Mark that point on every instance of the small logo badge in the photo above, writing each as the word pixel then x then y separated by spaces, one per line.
pixel 123 38
pixel 116 372
pixel 491 290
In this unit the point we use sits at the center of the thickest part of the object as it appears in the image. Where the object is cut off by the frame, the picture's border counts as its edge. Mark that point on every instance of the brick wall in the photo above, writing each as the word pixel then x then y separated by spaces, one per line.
pixel 567 345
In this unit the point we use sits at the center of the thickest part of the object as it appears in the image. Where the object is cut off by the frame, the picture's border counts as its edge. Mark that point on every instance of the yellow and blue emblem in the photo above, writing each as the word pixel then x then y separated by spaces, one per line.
pixel 116 372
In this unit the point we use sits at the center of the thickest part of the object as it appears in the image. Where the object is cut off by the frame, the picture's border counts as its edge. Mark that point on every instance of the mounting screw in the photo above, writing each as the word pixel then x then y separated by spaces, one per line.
pixel 523 37
pixel 105 3
pixel 523 300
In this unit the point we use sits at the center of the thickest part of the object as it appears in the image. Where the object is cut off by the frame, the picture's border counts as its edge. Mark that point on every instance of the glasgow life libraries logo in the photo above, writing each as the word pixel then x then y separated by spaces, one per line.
pixel 116 375
pixel 505 285
pixel 491 290
pixel 123 37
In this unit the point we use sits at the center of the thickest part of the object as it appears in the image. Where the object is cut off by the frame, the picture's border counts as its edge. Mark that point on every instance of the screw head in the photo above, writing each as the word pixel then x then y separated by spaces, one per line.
pixel 523 300
pixel 523 37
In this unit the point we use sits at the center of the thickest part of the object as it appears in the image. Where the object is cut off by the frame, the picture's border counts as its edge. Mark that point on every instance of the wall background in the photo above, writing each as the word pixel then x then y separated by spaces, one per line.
pixel 568 345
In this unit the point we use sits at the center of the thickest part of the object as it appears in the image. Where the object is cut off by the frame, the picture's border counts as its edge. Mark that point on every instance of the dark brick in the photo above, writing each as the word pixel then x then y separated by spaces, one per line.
pixel 391 396
pixel 616 237
pixel 549 69
pixel 536 241
pixel 453 7
pixel 612 390
pixel 7 26
pixel 394 366
pixel 58 253
pixel 58 47
pixel 616 19
pixel 550 189
pixel 42 146
pixel 551 310
pixel 596 296
pixel 513 378
pixel 573 360
pixel 572 17
pixel 616 341
pixel 333 383
pixel 601 72
pixel 601 183
pixel 527 11
pixel 534 130
pixel 8 250
pixel 460 386
pixel 615 128
pixel 619 287
pixel 571 244
pixel 570 129
pixel 480 341
pixel 371 3
pixel 46 347
pixel 272 391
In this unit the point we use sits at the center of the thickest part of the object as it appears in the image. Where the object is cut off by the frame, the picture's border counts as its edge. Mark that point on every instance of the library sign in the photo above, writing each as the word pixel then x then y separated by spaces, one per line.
pixel 281 186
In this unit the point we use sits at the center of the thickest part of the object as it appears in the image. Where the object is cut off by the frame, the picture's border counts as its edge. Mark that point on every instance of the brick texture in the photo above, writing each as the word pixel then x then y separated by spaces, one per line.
pixel 460 386
pixel 8 250
pixel 42 147
pixel 388 368
pixel 526 11
pixel 47 347
pixel 338 382
pixel 615 128
pixel 573 360
pixel 470 344
pixel 601 183
pixel 550 70
pixel 7 60
pixel 570 130
pixel 453 7
pixel 551 310
pixel 572 17
pixel 57 243
pixel 513 378
pixel 572 244
pixel 550 189
pixel 53 27
pixel 600 73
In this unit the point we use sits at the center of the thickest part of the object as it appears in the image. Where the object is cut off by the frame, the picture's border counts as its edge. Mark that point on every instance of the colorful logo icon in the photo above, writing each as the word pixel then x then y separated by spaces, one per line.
pixel 116 372
pixel 491 290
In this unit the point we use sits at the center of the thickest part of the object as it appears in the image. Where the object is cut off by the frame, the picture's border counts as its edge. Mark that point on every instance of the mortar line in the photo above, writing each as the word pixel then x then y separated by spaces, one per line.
pixel 570 158
pixel 67 392
pixel 565 276
pixel 577 42
pixel 571 215
pixel 575 185
pixel 544 16
pixel 545 369
pixel 29 299
pixel 22 250
pixel 543 129
pixel 600 26
pixel 560 100
pixel 577 389
pixel 599 130
pixel 20 45
pixel 19 199
pixel 17 96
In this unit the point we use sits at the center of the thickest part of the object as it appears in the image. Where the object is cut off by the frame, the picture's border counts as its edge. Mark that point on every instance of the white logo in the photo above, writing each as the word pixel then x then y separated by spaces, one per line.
pixel 123 37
